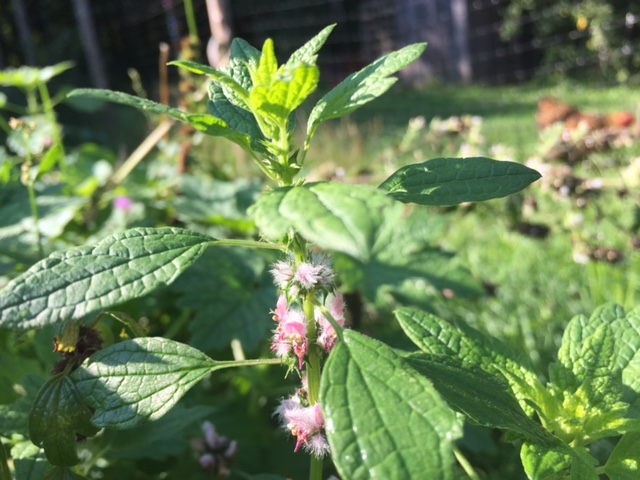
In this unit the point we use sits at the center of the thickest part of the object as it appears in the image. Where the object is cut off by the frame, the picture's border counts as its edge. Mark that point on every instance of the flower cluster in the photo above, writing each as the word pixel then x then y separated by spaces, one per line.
pixel 290 336
pixel 216 452
pixel 305 286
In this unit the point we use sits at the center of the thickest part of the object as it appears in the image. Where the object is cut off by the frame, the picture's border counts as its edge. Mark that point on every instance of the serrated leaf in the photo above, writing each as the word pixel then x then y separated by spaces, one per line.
pixel 243 53
pixel 231 293
pixel 219 128
pixel 219 76
pixel 363 86
pixel 542 462
pixel 479 395
pixel 139 380
pixel 438 337
pixel 626 332
pixel 450 181
pixel 286 92
pixel 267 66
pixel 58 413
pixel 624 461
pixel 238 119
pixel 307 53
pixel 386 245
pixel 383 419
pixel 71 284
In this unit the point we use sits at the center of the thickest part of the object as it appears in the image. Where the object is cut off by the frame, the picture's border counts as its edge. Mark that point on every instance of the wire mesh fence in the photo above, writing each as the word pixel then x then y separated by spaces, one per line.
pixel 466 37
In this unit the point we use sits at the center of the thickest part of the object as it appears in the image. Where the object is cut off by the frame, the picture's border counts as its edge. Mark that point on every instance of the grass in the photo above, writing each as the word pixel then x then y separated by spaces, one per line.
pixel 539 285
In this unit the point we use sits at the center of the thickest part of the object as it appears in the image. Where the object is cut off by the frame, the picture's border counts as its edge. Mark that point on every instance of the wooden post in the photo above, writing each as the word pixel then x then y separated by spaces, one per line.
pixel 220 40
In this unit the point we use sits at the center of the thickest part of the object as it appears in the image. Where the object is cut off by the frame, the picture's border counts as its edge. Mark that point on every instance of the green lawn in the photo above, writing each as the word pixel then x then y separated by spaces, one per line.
pixel 539 286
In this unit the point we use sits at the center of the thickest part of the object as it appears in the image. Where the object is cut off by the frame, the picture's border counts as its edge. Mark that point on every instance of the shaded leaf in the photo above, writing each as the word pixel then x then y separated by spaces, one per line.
pixel 450 181
pixel 139 380
pixel 231 293
pixel 624 461
pixel 160 439
pixel 479 395
pixel 82 280
pixel 58 413
pixel 383 419
pixel 438 337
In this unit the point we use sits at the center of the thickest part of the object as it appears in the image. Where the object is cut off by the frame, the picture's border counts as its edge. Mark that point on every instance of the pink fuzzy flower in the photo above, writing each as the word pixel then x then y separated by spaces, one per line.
pixel 306 424
pixel 291 334
pixel 282 273
pixel 328 337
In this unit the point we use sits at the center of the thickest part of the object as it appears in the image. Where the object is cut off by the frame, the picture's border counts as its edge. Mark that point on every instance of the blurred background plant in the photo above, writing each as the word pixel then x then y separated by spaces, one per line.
pixel 537 259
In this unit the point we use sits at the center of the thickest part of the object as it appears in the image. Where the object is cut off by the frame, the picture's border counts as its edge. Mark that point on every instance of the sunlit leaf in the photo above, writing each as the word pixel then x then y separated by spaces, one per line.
pixel 139 380
pixel 383 419
pixel 450 181
pixel 82 280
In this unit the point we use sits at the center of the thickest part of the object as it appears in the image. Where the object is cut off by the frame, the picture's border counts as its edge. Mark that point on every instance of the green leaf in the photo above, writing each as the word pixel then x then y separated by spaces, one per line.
pixel 243 53
pixel 624 461
pixel 338 217
pixel 388 247
pixel 219 76
pixel 450 181
pixel 267 66
pixel 237 118
pixel 33 468
pixel 479 395
pixel 50 159
pixel 130 100
pixel 438 337
pixel 69 285
pixel 139 380
pixel 383 419
pixel 219 128
pixel 58 413
pixel 307 53
pixel 231 293
pixel 161 439
pixel 586 380
pixel 14 418
pixel 30 77
pixel 286 92
pixel 363 86
pixel 543 462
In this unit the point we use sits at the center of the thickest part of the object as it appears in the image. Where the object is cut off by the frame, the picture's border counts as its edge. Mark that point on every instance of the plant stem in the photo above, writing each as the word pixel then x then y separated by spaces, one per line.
pixel 191 19
pixel 36 217
pixel 464 463
pixel 47 105
pixel 315 470
pixel 5 473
